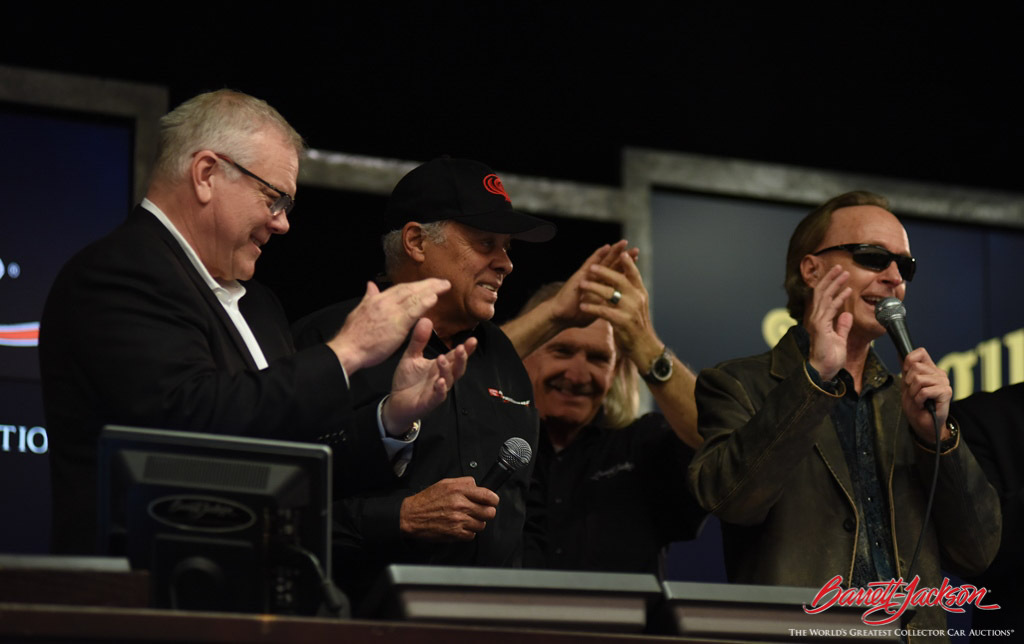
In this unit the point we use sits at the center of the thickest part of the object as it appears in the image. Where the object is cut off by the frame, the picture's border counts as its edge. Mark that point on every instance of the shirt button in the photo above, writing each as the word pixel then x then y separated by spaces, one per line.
pixel 464 412
pixel 870 499
pixel 558 499
pixel 472 464
pixel 558 551
pixel 878 544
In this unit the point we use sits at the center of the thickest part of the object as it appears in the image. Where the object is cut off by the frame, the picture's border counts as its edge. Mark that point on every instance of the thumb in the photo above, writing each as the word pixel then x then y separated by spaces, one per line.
pixel 420 337
pixel 843 324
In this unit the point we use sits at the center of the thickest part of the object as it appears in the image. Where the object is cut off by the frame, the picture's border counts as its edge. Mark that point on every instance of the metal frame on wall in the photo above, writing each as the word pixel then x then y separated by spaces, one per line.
pixel 644 171
pixel 142 103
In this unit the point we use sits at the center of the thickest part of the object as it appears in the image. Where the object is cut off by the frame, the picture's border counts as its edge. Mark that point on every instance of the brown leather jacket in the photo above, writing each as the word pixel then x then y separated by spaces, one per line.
pixel 773 471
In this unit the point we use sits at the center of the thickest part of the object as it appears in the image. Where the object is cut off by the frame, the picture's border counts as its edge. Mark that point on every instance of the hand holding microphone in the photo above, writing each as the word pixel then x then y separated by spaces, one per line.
pixel 926 389
pixel 514 454
pixel 457 509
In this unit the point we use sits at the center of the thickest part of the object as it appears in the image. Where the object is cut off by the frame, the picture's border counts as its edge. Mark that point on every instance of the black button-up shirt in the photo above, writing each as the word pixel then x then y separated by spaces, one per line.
pixel 854 420
pixel 492 402
pixel 612 499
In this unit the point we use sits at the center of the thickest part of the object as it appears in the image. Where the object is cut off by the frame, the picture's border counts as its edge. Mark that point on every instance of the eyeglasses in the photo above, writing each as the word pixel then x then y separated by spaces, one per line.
pixel 283 203
pixel 876 258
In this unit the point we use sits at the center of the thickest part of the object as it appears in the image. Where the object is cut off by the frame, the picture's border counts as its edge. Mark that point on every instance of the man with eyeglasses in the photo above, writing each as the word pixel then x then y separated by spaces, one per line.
pixel 816 459
pixel 152 325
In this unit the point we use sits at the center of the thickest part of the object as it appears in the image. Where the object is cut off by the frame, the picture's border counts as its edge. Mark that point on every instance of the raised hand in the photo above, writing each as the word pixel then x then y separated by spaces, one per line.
pixel 379 325
pixel 420 384
pixel 828 329
pixel 565 304
pixel 629 313
pixel 620 297
pixel 535 327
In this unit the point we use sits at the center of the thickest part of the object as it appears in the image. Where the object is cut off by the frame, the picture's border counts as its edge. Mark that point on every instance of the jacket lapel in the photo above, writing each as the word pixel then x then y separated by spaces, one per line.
pixel 184 266
pixel 786 359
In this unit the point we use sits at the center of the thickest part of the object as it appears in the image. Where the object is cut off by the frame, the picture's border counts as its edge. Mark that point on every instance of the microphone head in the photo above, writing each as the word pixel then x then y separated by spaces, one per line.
pixel 515 453
pixel 888 310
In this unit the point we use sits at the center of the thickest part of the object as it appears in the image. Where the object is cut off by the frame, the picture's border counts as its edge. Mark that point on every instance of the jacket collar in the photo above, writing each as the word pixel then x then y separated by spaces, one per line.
pixel 146 219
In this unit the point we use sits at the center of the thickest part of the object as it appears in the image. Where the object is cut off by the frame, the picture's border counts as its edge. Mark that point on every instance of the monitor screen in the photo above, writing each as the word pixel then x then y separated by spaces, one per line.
pixel 77 155
pixel 220 522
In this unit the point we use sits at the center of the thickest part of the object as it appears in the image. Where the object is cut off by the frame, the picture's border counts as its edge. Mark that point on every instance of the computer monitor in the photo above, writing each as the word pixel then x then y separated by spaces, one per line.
pixel 220 522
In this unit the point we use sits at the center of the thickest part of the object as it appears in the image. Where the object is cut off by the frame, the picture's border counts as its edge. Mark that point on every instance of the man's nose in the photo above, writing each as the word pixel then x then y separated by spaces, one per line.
pixel 891 275
pixel 279 224
pixel 502 263
pixel 576 370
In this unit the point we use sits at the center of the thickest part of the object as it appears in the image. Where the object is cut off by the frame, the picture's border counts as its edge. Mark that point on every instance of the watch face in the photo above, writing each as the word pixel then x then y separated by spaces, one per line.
pixel 662 368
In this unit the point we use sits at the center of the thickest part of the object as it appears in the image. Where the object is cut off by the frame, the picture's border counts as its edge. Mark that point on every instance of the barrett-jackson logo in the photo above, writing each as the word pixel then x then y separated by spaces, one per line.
pixel 201 513
pixel 886 601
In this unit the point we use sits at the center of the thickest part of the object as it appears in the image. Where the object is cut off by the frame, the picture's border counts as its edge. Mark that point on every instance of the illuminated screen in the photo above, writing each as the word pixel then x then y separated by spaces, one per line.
pixel 66 180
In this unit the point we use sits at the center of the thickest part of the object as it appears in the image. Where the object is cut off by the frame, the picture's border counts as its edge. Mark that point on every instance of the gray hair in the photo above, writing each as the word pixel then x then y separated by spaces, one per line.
pixel 394 254
pixel 621 404
pixel 224 121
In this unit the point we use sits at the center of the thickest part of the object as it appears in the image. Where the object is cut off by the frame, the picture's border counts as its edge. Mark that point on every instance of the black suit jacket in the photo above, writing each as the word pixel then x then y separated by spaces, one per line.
pixel 130 334
pixel 993 425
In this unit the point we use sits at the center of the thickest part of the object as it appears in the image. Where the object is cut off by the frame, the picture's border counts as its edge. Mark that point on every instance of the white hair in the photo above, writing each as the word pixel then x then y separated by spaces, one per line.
pixel 224 121
pixel 394 254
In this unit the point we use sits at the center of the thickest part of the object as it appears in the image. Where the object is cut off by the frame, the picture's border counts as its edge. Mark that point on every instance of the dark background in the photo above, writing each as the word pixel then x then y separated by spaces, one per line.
pixel 558 89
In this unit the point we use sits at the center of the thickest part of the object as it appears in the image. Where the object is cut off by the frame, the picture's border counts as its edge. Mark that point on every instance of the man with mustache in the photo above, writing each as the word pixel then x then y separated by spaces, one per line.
pixel 613 484
pixel 450 219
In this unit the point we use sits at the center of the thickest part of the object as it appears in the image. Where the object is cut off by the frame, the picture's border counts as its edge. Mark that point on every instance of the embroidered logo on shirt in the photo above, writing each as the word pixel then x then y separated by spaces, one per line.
pixel 497 394
pixel 612 471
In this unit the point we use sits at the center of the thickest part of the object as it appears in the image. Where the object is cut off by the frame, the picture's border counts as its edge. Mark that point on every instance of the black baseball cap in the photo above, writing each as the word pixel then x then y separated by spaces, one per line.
pixel 468 192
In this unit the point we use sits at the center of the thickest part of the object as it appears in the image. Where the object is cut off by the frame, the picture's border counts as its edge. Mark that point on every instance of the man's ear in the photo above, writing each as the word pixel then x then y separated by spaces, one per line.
pixel 812 269
pixel 201 173
pixel 413 241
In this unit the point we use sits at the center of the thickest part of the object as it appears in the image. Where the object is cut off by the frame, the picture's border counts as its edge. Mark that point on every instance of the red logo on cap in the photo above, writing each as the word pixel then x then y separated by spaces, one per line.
pixel 492 184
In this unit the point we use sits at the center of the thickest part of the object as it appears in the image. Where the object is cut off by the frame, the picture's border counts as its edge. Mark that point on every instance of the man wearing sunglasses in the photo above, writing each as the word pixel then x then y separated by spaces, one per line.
pixel 151 326
pixel 817 460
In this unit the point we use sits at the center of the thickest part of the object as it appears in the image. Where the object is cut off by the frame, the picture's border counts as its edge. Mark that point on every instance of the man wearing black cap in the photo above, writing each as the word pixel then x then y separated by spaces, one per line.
pixel 452 219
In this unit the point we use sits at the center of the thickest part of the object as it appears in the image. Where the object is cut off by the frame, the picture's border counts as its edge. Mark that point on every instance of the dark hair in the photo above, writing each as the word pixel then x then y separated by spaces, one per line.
pixel 806 238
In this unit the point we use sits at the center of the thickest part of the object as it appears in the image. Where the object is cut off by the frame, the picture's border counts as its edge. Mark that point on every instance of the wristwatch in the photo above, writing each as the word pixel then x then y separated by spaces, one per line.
pixel 661 368
pixel 411 434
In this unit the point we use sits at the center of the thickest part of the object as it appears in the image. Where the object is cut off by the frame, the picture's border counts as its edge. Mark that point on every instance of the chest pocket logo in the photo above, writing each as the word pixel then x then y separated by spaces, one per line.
pixel 612 471
pixel 505 399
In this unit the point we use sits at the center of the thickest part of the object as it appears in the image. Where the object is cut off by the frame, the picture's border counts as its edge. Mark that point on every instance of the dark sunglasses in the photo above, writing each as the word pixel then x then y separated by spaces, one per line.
pixel 284 202
pixel 877 258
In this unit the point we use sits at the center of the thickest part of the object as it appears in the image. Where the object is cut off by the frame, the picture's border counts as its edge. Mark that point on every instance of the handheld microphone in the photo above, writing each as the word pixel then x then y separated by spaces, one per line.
pixel 891 314
pixel 513 455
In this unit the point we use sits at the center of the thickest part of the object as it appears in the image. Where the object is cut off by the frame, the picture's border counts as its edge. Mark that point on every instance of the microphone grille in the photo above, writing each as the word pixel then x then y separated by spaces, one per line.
pixel 888 310
pixel 515 453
